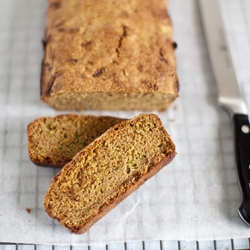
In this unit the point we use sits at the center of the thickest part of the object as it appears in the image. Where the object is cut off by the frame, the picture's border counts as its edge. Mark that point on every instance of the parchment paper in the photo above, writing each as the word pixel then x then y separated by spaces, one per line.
pixel 196 197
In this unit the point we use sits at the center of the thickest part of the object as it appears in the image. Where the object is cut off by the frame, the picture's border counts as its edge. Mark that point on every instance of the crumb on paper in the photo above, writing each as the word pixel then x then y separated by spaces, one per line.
pixel 172 120
pixel 175 107
pixel 28 210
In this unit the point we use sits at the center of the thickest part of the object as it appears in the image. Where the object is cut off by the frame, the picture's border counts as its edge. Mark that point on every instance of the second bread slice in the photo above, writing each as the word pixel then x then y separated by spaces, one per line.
pixel 54 141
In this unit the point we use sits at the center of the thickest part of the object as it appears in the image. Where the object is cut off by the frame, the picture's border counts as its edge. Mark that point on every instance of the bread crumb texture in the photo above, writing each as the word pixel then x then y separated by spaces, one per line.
pixel 28 210
pixel 54 141
pixel 107 171
pixel 108 55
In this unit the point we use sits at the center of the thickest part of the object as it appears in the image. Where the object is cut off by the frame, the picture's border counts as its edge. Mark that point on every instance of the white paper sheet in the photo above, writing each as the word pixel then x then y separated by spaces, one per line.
pixel 194 198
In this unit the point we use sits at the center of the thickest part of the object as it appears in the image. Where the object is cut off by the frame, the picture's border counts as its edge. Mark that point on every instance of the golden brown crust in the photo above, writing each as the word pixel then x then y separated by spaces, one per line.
pixel 86 52
pixel 153 168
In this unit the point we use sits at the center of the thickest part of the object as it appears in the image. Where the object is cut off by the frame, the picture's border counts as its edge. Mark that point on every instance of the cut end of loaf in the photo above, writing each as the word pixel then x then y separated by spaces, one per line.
pixel 110 101
pixel 107 171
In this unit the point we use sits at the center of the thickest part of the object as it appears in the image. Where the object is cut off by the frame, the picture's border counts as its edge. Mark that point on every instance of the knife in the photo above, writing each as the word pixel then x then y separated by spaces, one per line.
pixel 229 97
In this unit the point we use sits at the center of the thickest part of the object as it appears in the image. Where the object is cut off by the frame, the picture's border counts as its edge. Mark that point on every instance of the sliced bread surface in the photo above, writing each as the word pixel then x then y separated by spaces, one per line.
pixel 54 141
pixel 104 173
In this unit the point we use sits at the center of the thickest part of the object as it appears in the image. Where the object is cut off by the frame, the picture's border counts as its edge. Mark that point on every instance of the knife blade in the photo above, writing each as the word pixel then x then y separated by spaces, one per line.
pixel 229 97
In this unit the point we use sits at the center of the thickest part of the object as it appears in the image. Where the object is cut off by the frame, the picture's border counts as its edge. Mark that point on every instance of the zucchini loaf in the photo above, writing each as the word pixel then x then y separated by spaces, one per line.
pixel 108 55
pixel 54 141
pixel 107 171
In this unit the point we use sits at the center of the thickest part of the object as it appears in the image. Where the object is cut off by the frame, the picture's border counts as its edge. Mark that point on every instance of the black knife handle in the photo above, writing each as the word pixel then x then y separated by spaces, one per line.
pixel 242 157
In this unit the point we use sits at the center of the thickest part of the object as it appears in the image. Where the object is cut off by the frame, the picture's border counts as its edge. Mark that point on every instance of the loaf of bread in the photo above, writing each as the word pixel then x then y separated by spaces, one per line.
pixel 54 141
pixel 107 171
pixel 108 55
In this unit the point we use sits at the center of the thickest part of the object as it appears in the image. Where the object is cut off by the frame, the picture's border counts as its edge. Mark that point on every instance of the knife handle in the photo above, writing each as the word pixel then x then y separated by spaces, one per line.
pixel 242 158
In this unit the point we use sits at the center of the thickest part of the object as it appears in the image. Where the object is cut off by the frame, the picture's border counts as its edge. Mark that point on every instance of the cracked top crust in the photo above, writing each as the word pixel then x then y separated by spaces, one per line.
pixel 108 46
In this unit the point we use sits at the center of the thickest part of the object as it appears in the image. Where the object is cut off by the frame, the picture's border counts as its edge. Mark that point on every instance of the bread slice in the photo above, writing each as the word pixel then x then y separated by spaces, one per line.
pixel 107 171
pixel 54 141
pixel 109 55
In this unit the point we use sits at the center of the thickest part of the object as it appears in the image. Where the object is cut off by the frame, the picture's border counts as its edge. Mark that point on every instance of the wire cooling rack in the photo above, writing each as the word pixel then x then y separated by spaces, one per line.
pixel 239 244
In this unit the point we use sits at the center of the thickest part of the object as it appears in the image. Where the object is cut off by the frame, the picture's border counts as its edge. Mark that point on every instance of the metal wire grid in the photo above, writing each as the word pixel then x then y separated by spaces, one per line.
pixel 241 244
